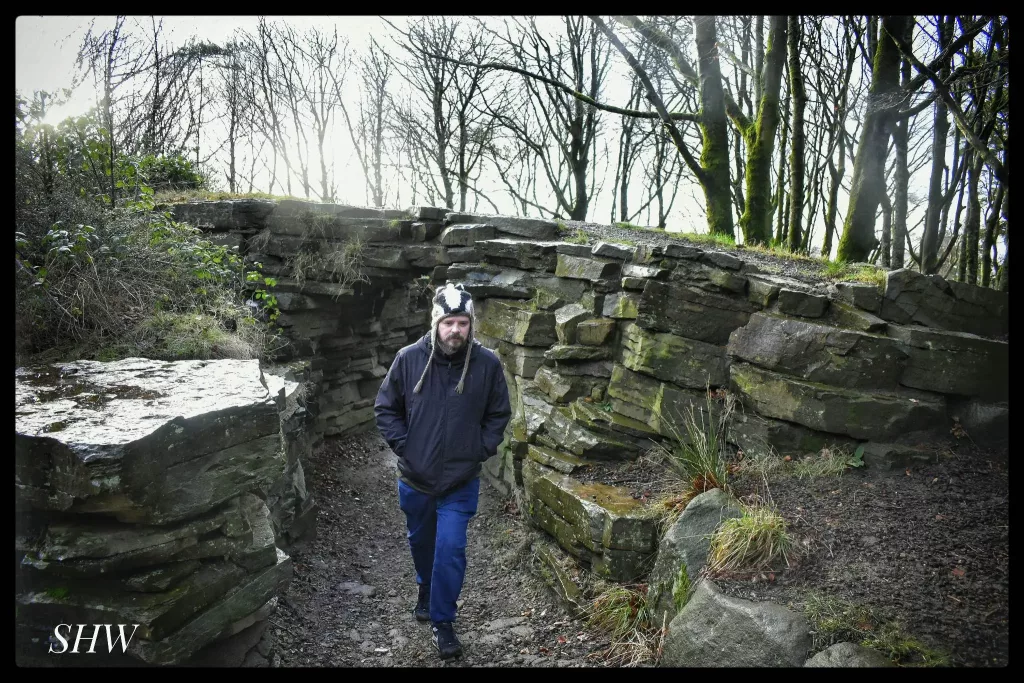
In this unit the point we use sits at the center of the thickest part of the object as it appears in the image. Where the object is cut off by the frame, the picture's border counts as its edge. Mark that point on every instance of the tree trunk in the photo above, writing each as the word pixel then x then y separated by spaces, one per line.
pixel 940 128
pixel 714 158
pixel 756 221
pixel 796 159
pixel 902 173
pixel 886 243
pixel 833 198
pixel 990 236
pixel 868 181
pixel 972 224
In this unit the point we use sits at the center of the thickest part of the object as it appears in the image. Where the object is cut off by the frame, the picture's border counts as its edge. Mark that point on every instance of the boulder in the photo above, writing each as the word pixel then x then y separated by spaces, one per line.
pixel 580 268
pixel 714 630
pixel 861 294
pixel 513 321
pixel 848 656
pixel 683 552
pixel 426 213
pixel 565 388
pixel 595 331
pixel 520 254
pixel 611 250
pixel 232 214
pixel 930 300
pixel 621 305
pixel 600 516
pixel 466 235
pixel 567 318
pixel 803 304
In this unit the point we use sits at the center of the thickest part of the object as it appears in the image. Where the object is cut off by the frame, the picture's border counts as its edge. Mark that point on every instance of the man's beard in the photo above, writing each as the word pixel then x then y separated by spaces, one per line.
pixel 453 343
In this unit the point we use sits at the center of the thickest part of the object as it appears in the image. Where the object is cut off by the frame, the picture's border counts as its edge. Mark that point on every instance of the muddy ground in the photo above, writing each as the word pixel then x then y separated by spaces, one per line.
pixel 926 547
pixel 350 603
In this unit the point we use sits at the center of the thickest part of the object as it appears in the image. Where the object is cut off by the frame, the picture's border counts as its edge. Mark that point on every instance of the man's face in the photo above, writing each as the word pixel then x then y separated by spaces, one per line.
pixel 453 332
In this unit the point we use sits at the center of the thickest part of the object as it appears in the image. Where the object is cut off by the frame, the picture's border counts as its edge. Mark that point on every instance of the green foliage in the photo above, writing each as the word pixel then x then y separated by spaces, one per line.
pixel 95 281
pixel 580 237
pixel 681 589
pixel 840 271
pixel 712 239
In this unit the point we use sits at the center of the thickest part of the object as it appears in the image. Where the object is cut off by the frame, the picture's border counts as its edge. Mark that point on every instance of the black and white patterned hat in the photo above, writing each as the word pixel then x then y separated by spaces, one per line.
pixel 448 301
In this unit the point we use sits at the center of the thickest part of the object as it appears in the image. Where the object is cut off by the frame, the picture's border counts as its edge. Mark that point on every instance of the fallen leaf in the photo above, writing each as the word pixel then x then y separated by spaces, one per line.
pixel 788 458
pixel 940 517
pixel 561 640
pixel 543 649
pixel 958 572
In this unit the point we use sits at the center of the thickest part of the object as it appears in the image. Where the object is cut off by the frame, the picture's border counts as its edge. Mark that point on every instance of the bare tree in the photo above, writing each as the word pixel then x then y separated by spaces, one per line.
pixel 450 120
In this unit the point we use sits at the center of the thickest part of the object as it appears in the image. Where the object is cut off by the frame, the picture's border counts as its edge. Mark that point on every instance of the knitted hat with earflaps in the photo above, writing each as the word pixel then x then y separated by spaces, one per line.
pixel 450 300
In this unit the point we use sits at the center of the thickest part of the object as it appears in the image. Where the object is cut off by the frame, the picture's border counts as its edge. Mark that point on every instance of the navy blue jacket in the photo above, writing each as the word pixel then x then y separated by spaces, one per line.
pixel 441 437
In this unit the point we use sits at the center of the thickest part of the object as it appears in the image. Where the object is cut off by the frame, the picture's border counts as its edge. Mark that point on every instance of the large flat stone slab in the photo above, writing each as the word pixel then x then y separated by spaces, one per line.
pixel 532 228
pixel 146 441
pixel 932 301
pixel 820 353
pixel 601 516
pixel 954 362
pixel 524 254
pixel 856 413
pixel 232 214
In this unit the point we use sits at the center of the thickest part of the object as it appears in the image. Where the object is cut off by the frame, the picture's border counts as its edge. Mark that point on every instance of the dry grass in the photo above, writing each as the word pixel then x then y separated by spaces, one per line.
pixel 754 542
pixel 621 612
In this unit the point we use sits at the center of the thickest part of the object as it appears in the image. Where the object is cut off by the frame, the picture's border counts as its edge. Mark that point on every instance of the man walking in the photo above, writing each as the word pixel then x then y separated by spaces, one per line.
pixel 442 409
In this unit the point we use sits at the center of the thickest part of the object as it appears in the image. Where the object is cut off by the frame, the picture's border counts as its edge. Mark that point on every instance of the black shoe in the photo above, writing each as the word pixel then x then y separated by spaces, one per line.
pixel 422 611
pixel 445 640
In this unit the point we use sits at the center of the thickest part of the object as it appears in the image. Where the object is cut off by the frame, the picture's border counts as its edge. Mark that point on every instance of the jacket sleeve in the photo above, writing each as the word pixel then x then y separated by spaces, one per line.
pixel 496 414
pixel 389 408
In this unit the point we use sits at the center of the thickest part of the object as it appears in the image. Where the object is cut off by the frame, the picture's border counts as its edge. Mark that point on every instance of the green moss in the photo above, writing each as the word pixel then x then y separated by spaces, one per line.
pixel 59 593
pixel 681 589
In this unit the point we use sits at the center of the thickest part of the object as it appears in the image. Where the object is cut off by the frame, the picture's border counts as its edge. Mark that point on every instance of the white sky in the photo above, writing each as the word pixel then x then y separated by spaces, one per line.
pixel 46 46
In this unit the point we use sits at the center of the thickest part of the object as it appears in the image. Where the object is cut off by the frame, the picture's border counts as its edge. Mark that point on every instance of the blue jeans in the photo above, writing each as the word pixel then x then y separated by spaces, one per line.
pixel 437 538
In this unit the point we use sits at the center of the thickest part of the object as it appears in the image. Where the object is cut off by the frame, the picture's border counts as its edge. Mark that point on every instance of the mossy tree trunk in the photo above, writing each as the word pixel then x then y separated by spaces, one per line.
pixel 796 160
pixel 868 182
pixel 714 158
pixel 756 221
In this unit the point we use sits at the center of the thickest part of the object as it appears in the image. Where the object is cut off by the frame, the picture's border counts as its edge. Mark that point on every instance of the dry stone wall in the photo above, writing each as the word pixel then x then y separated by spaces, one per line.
pixel 607 346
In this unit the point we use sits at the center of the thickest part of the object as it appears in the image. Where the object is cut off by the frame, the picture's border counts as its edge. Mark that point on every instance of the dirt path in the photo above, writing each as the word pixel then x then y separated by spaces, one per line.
pixel 350 603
